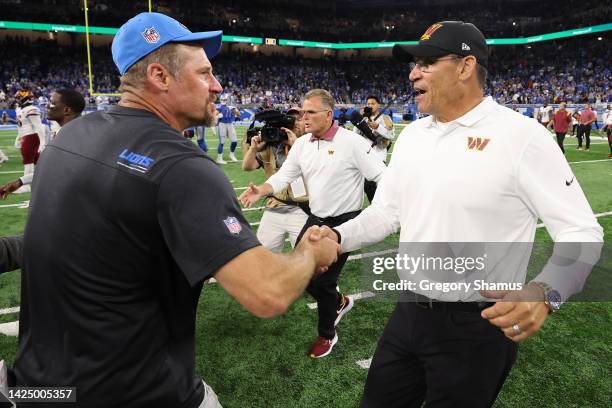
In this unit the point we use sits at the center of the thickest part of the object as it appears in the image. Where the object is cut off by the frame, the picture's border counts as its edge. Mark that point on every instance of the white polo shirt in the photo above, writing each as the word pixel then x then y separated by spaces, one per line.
pixel 333 171
pixel 484 177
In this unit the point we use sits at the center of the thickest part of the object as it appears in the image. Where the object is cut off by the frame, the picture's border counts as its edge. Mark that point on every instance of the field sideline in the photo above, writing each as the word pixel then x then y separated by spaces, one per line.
pixel 262 363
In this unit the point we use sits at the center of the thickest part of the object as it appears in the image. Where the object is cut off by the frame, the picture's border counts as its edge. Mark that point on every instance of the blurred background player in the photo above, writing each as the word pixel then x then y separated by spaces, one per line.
pixel 607 121
pixel 282 215
pixel 560 122
pixel 200 134
pixel 545 114
pixel 64 106
pixel 30 133
pixel 587 117
pixel 226 117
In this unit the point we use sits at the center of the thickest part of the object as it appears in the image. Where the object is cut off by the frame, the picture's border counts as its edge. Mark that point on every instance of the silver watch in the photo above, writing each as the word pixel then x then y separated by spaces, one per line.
pixel 552 298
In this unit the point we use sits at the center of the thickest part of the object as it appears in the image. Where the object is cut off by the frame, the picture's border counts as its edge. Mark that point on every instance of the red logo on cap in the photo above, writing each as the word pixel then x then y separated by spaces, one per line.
pixel 430 31
pixel 151 35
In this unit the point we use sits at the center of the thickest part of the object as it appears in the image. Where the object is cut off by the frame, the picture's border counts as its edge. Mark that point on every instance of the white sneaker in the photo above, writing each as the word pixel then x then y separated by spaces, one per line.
pixel 220 160
pixel 3 157
pixel 23 189
pixel 233 157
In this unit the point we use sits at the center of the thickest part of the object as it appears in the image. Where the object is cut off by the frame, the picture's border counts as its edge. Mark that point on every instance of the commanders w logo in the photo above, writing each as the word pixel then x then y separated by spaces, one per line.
pixel 477 143
pixel 430 31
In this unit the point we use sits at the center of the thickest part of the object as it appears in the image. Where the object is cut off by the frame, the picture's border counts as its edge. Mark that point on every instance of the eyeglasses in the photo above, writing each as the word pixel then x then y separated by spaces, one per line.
pixel 312 112
pixel 425 63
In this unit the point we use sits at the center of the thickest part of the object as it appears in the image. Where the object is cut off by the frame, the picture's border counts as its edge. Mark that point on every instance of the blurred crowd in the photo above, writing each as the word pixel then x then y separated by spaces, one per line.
pixel 573 70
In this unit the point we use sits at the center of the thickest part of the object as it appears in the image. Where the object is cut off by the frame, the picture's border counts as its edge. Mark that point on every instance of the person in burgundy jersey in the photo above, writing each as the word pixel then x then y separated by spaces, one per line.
pixel 561 121
pixel 30 133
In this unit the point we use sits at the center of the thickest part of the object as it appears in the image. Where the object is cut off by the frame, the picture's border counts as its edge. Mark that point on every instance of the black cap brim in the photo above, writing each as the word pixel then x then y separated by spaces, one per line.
pixel 407 52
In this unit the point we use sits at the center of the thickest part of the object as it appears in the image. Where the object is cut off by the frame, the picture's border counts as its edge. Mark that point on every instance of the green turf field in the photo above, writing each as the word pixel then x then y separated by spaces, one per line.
pixel 262 363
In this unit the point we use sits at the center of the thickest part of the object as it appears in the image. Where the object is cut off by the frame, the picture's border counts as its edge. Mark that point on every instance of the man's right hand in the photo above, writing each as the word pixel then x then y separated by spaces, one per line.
pixel 250 196
pixel 8 188
pixel 324 249
pixel 318 233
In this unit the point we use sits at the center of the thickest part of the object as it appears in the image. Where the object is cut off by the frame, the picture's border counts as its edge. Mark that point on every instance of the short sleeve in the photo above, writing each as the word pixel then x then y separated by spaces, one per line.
pixel 201 219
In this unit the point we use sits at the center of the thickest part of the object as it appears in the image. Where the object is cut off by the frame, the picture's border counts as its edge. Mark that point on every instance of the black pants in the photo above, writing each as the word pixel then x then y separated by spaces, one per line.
pixel 323 286
pixel 560 138
pixel 370 189
pixel 584 130
pixel 574 128
pixel 444 357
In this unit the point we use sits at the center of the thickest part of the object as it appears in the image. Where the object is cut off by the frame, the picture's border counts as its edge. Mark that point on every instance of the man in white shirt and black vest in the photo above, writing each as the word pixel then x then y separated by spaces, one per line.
pixel 334 162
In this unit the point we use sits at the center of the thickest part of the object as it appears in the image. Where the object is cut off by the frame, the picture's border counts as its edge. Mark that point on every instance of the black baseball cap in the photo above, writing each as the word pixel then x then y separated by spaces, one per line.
pixel 446 37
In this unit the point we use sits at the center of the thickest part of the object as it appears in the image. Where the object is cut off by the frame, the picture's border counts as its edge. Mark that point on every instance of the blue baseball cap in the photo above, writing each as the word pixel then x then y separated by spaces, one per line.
pixel 146 32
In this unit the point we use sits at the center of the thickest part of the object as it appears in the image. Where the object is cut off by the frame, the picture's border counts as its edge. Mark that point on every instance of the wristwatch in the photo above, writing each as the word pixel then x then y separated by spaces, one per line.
pixel 552 298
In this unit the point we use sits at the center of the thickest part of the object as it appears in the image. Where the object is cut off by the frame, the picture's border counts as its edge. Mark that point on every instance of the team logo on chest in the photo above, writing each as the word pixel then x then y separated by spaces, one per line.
pixel 151 35
pixel 477 143
pixel 233 225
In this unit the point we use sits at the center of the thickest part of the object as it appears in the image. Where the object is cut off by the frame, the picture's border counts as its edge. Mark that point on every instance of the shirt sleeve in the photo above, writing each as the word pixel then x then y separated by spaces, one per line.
pixel 201 219
pixel 290 170
pixel 369 165
pixel 10 253
pixel 550 190
pixel 381 218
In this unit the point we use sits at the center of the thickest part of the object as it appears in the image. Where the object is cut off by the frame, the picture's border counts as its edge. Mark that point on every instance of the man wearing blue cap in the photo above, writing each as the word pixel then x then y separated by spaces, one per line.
pixel 126 225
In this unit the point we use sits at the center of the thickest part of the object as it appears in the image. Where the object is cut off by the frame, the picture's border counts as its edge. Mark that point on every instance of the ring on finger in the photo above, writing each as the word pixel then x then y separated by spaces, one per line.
pixel 516 330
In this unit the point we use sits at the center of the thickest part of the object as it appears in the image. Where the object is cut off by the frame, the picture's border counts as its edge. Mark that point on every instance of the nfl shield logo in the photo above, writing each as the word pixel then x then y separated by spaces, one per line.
pixel 233 225
pixel 151 35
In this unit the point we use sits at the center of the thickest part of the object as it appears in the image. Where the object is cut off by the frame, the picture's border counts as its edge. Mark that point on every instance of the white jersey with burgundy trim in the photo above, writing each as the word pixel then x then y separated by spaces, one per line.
pixel 29 121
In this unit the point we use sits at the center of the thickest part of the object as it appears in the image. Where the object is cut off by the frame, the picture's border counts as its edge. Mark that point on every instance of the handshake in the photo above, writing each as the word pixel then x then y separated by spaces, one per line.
pixel 321 244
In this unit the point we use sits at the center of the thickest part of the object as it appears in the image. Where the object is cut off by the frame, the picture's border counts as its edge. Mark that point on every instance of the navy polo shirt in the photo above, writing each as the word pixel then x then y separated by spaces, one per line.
pixel 127 219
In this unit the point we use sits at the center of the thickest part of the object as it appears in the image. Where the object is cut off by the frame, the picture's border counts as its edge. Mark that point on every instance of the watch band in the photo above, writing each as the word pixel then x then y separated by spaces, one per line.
pixel 549 293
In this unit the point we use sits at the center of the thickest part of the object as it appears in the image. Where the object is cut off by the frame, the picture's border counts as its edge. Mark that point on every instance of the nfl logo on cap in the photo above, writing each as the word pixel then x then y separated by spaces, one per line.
pixel 151 35
pixel 233 225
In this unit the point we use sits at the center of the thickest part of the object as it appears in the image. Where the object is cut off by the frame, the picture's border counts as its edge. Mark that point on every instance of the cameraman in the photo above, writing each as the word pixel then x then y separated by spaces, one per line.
pixel 279 217
pixel 383 125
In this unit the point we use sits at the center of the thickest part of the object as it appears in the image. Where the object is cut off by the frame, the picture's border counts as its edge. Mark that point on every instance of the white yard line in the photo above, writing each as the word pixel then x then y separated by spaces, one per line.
pixel 253 209
pixel 24 204
pixel 10 328
pixel 364 363
pixel 11 172
pixel 9 310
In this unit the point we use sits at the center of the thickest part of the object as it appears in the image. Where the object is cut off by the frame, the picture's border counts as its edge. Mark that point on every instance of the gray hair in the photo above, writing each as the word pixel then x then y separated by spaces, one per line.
pixel 326 99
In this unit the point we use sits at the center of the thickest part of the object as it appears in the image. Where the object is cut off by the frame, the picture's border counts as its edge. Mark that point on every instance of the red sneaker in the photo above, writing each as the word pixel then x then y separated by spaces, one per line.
pixel 322 346
pixel 345 305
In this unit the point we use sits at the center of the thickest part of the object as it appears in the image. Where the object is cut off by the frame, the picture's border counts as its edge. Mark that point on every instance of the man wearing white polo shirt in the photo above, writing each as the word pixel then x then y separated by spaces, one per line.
pixel 333 163
pixel 457 177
